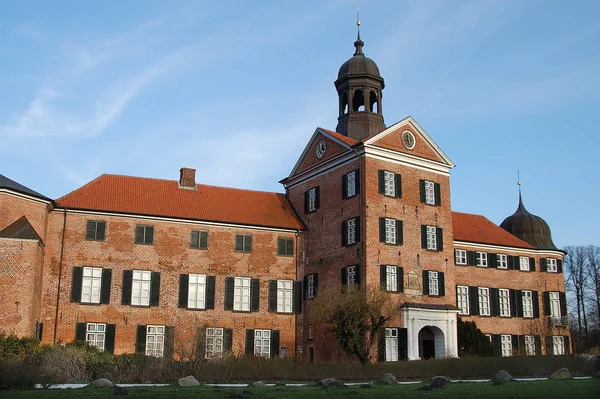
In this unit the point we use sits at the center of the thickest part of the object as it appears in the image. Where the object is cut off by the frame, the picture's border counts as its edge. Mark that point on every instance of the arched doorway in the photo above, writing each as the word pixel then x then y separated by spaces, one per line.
pixel 431 343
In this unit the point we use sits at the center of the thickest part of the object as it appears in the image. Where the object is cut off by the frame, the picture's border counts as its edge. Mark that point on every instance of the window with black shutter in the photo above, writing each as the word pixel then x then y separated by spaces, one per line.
pixel 199 239
pixel 95 230
pixel 285 246
pixel 144 234
pixel 243 243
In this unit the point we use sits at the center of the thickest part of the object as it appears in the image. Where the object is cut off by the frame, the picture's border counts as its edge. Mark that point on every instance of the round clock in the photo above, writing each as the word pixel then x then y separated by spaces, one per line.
pixel 321 148
pixel 408 139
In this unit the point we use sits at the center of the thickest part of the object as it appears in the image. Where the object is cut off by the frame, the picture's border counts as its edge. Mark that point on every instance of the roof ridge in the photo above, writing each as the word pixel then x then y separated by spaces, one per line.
pixel 79 188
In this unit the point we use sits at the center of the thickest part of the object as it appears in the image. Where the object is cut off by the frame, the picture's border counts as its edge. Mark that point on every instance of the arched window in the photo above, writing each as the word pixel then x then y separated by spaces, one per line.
pixel 373 102
pixel 344 104
pixel 358 101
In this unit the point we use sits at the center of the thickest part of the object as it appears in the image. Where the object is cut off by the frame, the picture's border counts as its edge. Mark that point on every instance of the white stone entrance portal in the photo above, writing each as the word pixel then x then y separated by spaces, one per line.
pixel 426 323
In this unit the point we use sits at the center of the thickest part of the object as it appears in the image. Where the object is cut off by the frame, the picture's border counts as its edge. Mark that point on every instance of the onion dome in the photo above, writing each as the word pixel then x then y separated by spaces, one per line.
pixel 359 64
pixel 529 227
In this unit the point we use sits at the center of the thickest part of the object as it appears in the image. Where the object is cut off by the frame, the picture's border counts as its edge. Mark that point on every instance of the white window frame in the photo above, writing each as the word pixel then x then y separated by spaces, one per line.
pixel 262 343
pixel 555 305
pixel 312 199
pixel 551 265
pixel 351 275
pixel 390 231
pixel 91 284
pixel 489 336
pixel 431 238
pixel 241 294
pixel 501 261
pixel 214 342
pixel 155 340
pixel 429 192
pixel 460 256
pixel 285 296
pixel 524 263
pixel 434 284
pixel 391 278
pixel 529 345
pixel 482 259
pixel 527 297
pixel 351 185
pixel 504 302
pixel 310 286
pixel 462 299
pixel 558 345
pixel 506 344
pixel 311 332
pixel 390 183
pixel 391 345
pixel 140 287
pixel 483 294
pixel 197 291
pixel 95 335
pixel 351 231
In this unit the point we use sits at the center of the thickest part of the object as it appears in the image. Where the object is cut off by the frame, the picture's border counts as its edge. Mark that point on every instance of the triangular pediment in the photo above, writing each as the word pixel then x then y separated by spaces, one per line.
pixel 20 229
pixel 424 147
pixel 335 144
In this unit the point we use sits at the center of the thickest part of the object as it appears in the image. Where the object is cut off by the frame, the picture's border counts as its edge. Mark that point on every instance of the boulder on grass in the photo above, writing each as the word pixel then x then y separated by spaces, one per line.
pixel 388 379
pixel 189 381
pixel 439 381
pixel 561 374
pixel 101 383
pixel 258 384
pixel 501 377
pixel 332 382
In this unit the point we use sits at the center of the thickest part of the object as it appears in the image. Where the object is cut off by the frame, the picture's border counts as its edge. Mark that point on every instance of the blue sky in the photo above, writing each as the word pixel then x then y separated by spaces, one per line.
pixel 236 88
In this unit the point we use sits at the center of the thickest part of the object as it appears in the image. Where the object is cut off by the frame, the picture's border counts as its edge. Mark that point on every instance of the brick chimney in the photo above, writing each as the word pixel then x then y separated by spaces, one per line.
pixel 187 178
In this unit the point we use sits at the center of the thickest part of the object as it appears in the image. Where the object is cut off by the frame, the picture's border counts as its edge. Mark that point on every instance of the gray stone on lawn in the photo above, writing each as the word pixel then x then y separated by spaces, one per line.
pixel 502 376
pixel 439 381
pixel 332 382
pixel 101 383
pixel 388 378
pixel 189 381
pixel 561 374
pixel 258 384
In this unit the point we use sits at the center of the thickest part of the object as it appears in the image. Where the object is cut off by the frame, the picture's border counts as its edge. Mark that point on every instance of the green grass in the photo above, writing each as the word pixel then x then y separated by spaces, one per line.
pixel 571 389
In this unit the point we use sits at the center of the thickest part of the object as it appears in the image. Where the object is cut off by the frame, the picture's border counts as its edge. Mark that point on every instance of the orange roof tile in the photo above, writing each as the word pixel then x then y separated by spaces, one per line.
pixel 155 197
pixel 341 137
pixel 479 229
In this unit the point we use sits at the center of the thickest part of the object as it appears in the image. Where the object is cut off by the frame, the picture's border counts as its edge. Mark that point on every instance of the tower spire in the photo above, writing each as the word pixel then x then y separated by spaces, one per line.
pixel 358 43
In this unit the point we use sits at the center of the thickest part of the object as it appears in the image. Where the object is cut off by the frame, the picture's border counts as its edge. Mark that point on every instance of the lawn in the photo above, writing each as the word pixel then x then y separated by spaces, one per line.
pixel 571 389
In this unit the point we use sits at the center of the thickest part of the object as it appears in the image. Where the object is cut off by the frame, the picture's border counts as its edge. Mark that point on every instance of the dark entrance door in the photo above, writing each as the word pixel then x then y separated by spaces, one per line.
pixel 311 354
pixel 426 344
pixel 428 349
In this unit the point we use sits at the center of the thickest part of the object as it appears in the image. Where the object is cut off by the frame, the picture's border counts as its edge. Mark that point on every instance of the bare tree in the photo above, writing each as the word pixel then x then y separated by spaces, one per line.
pixel 576 277
pixel 593 270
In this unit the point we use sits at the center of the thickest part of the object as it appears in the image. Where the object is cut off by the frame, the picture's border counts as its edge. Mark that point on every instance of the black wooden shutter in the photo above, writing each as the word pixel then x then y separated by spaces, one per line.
pixel 536 304
pixel 305 287
pixel 492 260
pixel 249 342
pixel 438 198
pixel 357 181
pixel 280 246
pixel 547 310
pixel 76 283
pixel 140 342
pixel 381 181
pixel 139 234
pixel 169 342
pixel 383 277
pixel 272 296
pixel 297 297
pixel 317 197
pixel 357 229
pixel 149 237
pixel 39 330
pixel 204 239
pixel 442 284
pixel 399 232
pixel 227 340
pixel 471 258
pixel 494 300
pixel 306 210
pixel 398 185
pixel 559 266
pixel 474 301
pixel 357 274
pixel 101 231
pixel 316 283
pixel 543 265
pixel 400 278
pixel 90 230
pixel 402 344
pixel 195 239
pixel 425 282
pixel 510 260
pixel 422 190
pixel 512 297
pixel 274 343
pixel 563 304
pixel 109 338
pixel 239 242
pixel 105 286
pixel 183 290
pixel 254 295
pixel 381 229
pixel 381 346
pixel 80 331
pixel 549 346
pixel 567 345
pixel 538 345
pixel 344 272
pixel 154 288
pixel 423 236
pixel 515 344
pixel 210 292
pixel 497 344
pixel 439 236
pixel 345 233
pixel 127 285
pixel 520 303
pixel 345 186
pixel 248 243
pixel 522 348
pixel 229 288
pixel 531 264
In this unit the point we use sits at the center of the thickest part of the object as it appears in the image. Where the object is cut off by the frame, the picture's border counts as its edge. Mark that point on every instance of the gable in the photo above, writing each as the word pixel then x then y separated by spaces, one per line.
pixel 334 146
pixel 20 229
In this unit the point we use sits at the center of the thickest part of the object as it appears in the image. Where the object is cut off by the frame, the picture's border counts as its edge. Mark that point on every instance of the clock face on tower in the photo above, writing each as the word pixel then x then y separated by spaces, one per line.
pixel 321 148
pixel 408 139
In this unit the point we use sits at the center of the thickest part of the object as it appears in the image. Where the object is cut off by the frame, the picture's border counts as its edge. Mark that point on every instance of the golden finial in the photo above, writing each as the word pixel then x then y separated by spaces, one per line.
pixel 518 178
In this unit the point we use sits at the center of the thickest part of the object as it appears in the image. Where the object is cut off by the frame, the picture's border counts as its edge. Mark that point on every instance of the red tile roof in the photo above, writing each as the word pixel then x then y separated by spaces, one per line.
pixel 341 137
pixel 479 229
pixel 155 197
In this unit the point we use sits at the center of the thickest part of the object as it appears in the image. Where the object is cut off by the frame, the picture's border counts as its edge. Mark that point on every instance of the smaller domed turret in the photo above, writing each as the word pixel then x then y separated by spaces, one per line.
pixel 529 227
